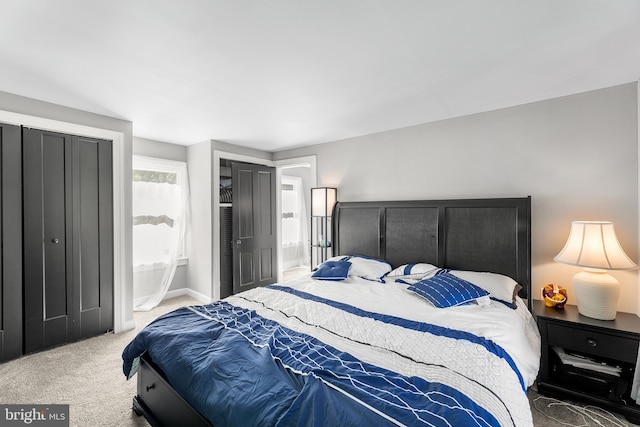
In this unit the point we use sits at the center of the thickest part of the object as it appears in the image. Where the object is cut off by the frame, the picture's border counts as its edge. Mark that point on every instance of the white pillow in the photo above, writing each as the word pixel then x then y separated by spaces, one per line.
pixel 501 288
pixel 412 271
pixel 366 267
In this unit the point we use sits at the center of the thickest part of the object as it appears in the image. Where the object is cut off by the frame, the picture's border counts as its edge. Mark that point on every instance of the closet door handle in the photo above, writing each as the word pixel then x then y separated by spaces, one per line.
pixel 55 241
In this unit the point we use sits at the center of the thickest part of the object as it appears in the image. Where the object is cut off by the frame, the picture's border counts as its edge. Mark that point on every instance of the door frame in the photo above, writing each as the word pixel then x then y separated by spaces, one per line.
pixel 215 192
pixel 120 252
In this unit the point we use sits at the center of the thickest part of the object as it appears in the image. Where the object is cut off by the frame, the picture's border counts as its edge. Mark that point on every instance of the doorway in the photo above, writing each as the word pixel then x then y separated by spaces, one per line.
pixel 296 177
pixel 121 208
pixel 294 228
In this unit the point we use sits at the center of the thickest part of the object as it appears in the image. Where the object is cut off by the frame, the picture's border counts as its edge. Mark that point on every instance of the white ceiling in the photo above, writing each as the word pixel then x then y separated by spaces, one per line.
pixel 273 74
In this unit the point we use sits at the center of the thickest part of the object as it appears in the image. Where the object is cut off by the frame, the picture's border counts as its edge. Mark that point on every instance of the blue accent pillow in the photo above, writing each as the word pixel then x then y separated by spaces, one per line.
pixel 332 270
pixel 446 290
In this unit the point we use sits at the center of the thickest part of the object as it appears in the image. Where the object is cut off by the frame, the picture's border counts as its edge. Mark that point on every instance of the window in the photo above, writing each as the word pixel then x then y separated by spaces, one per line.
pixel 159 211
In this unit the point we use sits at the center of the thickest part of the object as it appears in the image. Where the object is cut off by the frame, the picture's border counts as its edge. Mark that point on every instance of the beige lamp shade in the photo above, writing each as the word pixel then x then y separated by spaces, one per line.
pixel 594 244
pixel 322 201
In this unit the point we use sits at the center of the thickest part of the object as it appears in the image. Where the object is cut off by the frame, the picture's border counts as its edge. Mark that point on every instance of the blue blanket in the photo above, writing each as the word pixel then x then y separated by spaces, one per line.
pixel 240 368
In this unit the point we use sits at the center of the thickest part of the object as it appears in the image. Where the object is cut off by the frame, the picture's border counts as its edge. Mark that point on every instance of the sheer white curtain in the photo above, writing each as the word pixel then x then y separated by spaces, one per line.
pixel 160 200
pixel 295 234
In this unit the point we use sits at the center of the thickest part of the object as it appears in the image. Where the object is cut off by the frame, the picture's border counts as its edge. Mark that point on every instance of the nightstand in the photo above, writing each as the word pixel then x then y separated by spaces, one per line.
pixel 591 348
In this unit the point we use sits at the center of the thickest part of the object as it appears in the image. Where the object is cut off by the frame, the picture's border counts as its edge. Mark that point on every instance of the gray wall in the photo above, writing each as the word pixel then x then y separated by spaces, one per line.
pixel 159 149
pixel 577 156
pixel 199 234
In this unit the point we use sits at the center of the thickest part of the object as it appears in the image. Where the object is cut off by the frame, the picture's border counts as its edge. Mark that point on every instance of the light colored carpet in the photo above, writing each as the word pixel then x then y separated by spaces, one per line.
pixel 87 375
pixel 549 412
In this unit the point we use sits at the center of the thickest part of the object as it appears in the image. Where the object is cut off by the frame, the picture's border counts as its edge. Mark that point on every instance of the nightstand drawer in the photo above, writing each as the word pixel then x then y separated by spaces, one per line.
pixel 593 343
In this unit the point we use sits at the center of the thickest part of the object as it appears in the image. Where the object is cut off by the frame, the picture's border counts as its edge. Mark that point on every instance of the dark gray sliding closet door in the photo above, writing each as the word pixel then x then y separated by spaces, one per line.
pixel 92 236
pixel 68 238
pixel 11 237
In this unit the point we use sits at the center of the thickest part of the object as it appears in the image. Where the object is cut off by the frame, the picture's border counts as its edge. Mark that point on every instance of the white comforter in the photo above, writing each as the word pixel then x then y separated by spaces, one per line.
pixel 459 363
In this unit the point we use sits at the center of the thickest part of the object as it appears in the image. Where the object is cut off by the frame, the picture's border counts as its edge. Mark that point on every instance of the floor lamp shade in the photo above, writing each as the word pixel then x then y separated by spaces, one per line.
pixel 322 201
pixel 594 246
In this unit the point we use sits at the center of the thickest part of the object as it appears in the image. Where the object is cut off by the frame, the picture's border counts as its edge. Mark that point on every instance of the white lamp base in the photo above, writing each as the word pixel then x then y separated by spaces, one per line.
pixel 596 294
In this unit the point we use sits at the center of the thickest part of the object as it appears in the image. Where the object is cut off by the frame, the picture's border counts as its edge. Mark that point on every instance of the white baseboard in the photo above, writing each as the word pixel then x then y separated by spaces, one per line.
pixel 190 292
pixel 128 325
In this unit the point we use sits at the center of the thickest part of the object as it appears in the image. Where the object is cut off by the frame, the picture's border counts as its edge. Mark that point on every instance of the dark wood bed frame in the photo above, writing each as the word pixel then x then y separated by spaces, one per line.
pixel 464 234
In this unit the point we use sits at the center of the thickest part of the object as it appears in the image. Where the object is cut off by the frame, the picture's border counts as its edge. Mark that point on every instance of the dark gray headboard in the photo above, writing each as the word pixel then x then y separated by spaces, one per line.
pixel 465 234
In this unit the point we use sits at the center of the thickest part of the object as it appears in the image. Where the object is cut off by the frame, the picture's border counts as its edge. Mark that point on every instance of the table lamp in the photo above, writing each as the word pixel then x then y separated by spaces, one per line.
pixel 593 245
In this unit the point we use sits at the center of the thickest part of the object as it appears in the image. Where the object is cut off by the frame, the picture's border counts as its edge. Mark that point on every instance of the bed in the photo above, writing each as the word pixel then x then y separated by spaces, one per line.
pixel 369 338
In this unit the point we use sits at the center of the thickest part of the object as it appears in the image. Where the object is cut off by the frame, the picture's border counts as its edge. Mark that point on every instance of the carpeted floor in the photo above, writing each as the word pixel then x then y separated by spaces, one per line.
pixel 549 412
pixel 87 375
